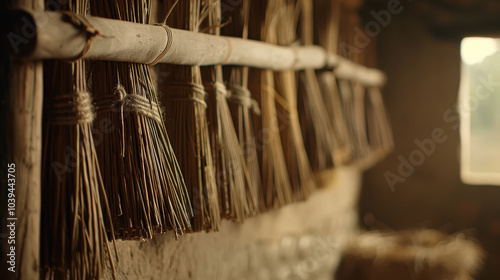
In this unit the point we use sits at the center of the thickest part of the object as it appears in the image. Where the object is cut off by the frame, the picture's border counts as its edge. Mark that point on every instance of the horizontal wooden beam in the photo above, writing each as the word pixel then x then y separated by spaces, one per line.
pixel 68 36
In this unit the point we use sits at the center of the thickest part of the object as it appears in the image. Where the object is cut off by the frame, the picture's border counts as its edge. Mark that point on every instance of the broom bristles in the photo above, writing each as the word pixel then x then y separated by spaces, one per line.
pixel 239 199
pixel 187 120
pixel 243 109
pixel 143 179
pixel 299 169
pixel 347 101
pixel 332 100
pixel 379 127
pixel 75 206
pixel 317 127
pixel 327 35
pixel 275 178
pixel 366 151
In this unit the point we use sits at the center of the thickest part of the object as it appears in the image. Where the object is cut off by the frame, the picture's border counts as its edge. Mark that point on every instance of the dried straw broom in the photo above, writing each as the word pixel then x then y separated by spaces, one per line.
pixel 299 169
pixel 327 33
pixel 359 98
pixel 244 108
pixel 237 197
pixel 142 177
pixel 380 138
pixel 319 135
pixel 75 207
pixel 353 98
pixel 353 115
pixel 185 99
pixel 379 128
pixel 276 183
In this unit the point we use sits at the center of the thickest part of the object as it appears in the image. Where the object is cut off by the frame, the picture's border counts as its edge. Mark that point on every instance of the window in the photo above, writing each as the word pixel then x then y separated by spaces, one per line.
pixel 479 108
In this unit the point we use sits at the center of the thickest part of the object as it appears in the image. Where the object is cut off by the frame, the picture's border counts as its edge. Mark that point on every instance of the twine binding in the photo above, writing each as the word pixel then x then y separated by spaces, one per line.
pixel 217 87
pixel 187 92
pixel 229 51
pixel 129 103
pixel 242 96
pixel 83 24
pixel 168 30
pixel 72 109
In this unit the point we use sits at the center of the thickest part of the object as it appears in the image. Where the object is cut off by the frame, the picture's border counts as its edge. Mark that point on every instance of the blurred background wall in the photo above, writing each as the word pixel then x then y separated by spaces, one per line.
pixel 424 76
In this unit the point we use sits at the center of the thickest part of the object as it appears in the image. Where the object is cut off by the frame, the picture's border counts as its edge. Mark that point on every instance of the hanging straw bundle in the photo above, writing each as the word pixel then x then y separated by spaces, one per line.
pixel 301 176
pixel 358 94
pixel 143 181
pixel 238 198
pixel 379 131
pixel 185 100
pixel 74 202
pixel 379 127
pixel 328 39
pixel 366 149
pixel 275 179
pixel 243 107
pixel 317 127
pixel 344 85
pixel 353 101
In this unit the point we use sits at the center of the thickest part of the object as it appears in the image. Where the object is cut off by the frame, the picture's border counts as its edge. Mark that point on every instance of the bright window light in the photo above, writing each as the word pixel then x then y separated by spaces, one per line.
pixel 475 49
pixel 479 109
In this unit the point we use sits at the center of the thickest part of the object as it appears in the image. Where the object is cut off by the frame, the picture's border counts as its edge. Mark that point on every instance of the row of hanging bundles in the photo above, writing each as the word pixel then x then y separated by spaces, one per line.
pixel 133 150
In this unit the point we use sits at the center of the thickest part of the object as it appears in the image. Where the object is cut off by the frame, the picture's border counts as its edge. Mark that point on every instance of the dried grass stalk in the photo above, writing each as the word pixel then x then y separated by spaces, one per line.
pixel 275 179
pixel 75 206
pixel 369 126
pixel 142 177
pixel 358 91
pixel 369 129
pixel 317 127
pixel 238 198
pixel 332 101
pixel 243 108
pixel 299 169
pixel 358 151
pixel 327 32
pixel 371 136
pixel 379 127
pixel 364 158
pixel 185 100
pixel 345 39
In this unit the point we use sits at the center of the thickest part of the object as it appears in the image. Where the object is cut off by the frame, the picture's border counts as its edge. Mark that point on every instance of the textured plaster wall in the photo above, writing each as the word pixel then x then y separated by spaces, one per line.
pixel 300 241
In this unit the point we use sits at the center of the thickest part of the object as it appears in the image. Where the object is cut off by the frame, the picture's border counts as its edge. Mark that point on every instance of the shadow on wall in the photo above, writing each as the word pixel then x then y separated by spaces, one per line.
pixel 418 185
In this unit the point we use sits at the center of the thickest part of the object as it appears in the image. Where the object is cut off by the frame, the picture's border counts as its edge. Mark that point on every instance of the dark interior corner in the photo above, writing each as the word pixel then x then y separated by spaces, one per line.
pixel 420 52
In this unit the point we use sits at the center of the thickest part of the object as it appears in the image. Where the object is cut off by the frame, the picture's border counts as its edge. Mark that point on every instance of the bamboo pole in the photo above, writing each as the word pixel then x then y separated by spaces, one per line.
pixel 26 139
pixel 60 36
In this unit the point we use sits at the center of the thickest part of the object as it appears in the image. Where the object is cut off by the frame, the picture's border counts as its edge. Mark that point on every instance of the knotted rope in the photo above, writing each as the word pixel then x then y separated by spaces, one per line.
pixel 71 109
pixel 82 23
pixel 186 92
pixel 129 103
pixel 242 96
pixel 217 87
